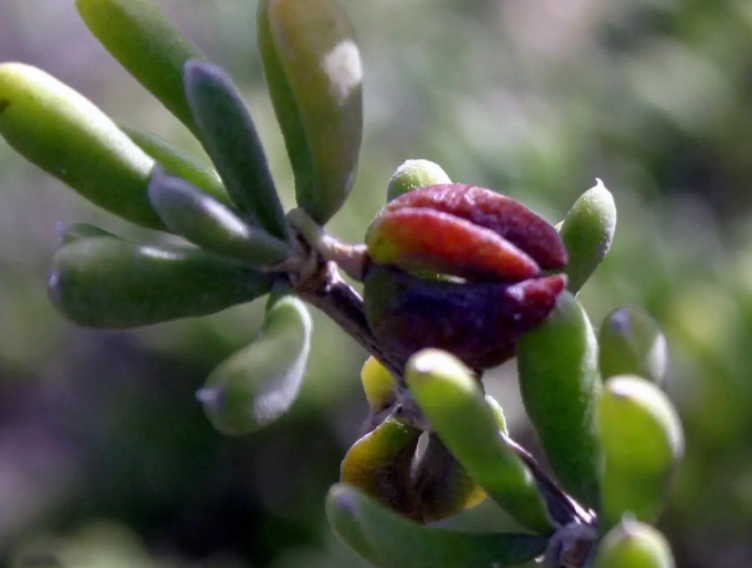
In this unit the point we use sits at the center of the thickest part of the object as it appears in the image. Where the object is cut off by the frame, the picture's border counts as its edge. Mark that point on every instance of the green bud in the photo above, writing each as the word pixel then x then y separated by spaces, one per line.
pixel 634 545
pixel 259 383
pixel 313 69
pixel 189 212
pixel 388 540
pixel 455 405
pixel 143 40
pixel 229 136
pixel 414 174
pixel 107 282
pixel 59 130
pixel 642 442
pixel 179 162
pixel 559 382
pixel 632 343
pixel 587 232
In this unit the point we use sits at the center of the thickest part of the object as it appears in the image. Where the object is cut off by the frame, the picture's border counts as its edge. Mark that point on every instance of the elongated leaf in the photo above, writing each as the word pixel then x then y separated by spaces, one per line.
pixel 631 342
pixel 390 541
pixel 634 545
pixel 179 162
pixel 260 382
pixel 313 67
pixel 642 443
pixel 587 232
pixel 229 136
pixel 560 384
pixel 457 409
pixel 189 212
pixel 141 38
pixel 59 130
pixel 107 282
pixel 81 231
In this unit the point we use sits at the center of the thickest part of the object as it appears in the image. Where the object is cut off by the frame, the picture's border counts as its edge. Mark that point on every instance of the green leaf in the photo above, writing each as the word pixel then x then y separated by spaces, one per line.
pixel 453 402
pixel 259 383
pixel 141 38
pixel 414 174
pixel 379 464
pixel 81 231
pixel 189 212
pixel 642 442
pixel 388 540
pixel 107 282
pixel 229 136
pixel 313 68
pixel 587 232
pixel 179 162
pixel 632 343
pixel 559 381
pixel 59 130
pixel 443 485
pixel 634 545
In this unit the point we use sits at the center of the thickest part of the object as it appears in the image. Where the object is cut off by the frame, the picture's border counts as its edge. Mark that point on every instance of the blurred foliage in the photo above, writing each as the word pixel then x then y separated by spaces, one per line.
pixel 106 459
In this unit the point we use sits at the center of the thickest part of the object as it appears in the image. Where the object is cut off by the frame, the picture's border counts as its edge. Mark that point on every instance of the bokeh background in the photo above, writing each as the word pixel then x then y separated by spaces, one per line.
pixel 106 459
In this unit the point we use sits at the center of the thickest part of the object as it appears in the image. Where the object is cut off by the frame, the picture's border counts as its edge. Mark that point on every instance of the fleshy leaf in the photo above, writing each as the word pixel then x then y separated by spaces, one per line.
pixel 144 41
pixel 80 231
pixel 390 541
pixel 453 402
pixel 634 545
pixel 189 212
pixel 259 383
pixel 414 174
pixel 380 464
pixel 632 342
pixel 229 136
pixel 59 130
pixel 313 68
pixel 587 232
pixel 107 282
pixel 642 442
pixel 179 162
pixel 560 384
pixel 443 485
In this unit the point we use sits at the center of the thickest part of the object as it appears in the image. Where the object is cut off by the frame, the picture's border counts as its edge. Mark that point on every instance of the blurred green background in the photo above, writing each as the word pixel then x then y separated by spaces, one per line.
pixel 106 459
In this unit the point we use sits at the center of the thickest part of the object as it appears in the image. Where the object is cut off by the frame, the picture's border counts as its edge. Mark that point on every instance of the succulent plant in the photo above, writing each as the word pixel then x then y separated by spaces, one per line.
pixel 456 279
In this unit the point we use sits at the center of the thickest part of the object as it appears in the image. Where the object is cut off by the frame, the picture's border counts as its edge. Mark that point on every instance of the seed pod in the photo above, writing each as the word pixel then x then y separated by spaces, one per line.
pixel 634 545
pixel 259 383
pixel 587 232
pixel 459 212
pixel 380 465
pixel 559 381
pixel 642 442
pixel 107 282
pixel 452 400
pixel 229 136
pixel 443 486
pixel 388 540
pixel 179 162
pixel 313 69
pixel 477 322
pixel 631 342
pixel 414 174
pixel 189 212
pixel 57 129
pixel 144 41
